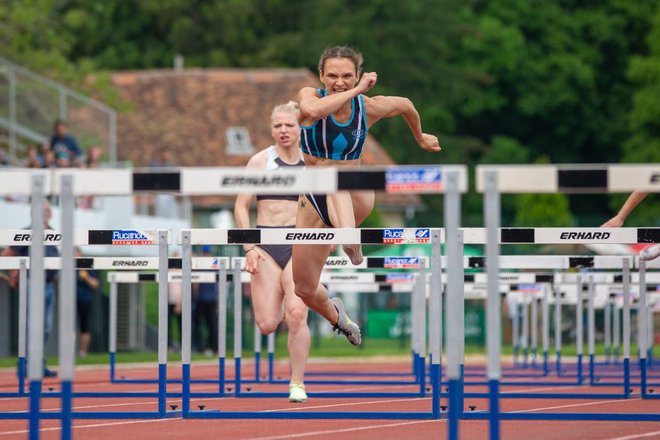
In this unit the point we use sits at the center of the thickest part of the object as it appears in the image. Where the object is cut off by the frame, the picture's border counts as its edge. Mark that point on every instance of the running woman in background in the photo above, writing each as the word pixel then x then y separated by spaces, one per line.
pixel 273 298
pixel 648 253
pixel 335 121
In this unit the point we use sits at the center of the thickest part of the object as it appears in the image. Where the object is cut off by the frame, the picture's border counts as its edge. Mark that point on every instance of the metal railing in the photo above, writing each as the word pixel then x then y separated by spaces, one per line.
pixel 30 103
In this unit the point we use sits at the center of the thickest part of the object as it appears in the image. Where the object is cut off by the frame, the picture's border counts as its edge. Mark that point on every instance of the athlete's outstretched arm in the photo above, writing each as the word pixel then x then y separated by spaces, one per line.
pixel 380 107
pixel 633 200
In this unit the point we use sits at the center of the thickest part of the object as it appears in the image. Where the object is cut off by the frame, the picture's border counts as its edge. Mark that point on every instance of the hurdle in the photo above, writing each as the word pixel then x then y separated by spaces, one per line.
pixel 199 263
pixel 449 180
pixel 556 263
pixel 201 266
pixel 493 180
pixel 455 182
pixel 420 179
pixel 394 283
pixel 279 236
pixel 369 278
pixel 21 264
pixel 602 284
pixel 145 263
pixel 16 182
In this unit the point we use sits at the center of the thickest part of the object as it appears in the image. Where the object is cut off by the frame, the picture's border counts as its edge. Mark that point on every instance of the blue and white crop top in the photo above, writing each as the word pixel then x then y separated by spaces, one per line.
pixel 331 140
pixel 274 162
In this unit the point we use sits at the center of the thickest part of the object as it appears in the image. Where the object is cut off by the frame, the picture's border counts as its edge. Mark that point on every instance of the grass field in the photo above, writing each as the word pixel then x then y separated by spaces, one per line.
pixel 326 347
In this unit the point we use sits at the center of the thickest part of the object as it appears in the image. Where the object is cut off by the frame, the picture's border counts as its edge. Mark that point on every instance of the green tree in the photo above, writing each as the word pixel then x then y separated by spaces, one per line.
pixel 555 74
pixel 31 35
pixel 643 145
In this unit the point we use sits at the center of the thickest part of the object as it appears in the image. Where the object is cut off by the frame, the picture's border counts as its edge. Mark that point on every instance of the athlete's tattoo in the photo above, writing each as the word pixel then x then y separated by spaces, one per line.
pixel 302 203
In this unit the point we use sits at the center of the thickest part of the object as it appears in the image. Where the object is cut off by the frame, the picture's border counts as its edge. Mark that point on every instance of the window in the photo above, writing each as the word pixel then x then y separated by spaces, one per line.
pixel 238 141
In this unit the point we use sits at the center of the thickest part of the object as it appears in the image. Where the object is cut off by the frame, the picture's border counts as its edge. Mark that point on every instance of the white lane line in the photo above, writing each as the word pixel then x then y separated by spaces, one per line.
pixel 335 405
pixel 601 402
pixel 633 436
pixel 527 390
pixel 96 425
pixel 345 430
pixel 197 399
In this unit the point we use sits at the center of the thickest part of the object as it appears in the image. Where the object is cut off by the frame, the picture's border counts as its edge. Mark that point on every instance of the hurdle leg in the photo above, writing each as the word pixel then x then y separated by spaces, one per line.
pixel 222 326
pixel 545 325
pixel 642 316
pixel 67 309
pixel 22 324
pixel 435 321
pixel 186 320
pixel 515 338
pixel 163 325
pixel 455 305
pixel 419 298
pixel 36 307
pixel 626 328
pixel 271 356
pixel 650 336
pixel 591 330
pixel 257 352
pixel 616 331
pixel 534 330
pixel 113 327
pixel 579 330
pixel 414 327
pixel 607 317
pixel 238 326
pixel 558 333
pixel 493 318
pixel 525 332
pixel 413 333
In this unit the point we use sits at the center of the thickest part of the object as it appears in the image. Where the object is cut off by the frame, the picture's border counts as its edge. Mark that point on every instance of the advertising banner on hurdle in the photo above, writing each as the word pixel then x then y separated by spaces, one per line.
pixel 308 236
pixel 114 237
pixel 232 181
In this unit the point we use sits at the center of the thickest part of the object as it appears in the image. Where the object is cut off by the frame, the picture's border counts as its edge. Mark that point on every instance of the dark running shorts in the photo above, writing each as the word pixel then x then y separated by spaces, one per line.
pixel 281 253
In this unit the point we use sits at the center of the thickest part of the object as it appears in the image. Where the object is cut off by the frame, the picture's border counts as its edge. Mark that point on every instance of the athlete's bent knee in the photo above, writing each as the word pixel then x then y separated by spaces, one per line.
pixel 267 326
pixel 296 318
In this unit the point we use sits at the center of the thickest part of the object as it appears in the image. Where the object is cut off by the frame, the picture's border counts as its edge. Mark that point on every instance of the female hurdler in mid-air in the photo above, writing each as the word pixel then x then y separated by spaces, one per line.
pixel 334 124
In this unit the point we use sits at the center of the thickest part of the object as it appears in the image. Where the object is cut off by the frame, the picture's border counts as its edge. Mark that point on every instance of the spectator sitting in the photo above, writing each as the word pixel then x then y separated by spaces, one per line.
pixel 47 156
pixel 94 155
pixel 62 159
pixel 65 145
pixel 34 159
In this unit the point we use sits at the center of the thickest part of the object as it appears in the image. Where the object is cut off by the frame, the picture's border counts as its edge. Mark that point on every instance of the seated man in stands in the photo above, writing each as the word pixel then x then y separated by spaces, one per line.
pixel 64 145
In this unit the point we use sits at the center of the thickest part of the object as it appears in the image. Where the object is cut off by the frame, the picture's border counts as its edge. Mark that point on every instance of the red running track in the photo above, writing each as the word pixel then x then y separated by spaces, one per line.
pixel 96 379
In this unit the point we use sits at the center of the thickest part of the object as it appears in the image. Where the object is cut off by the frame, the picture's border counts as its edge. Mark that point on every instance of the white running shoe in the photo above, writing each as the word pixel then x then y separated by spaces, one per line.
pixel 297 393
pixel 650 252
pixel 344 325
